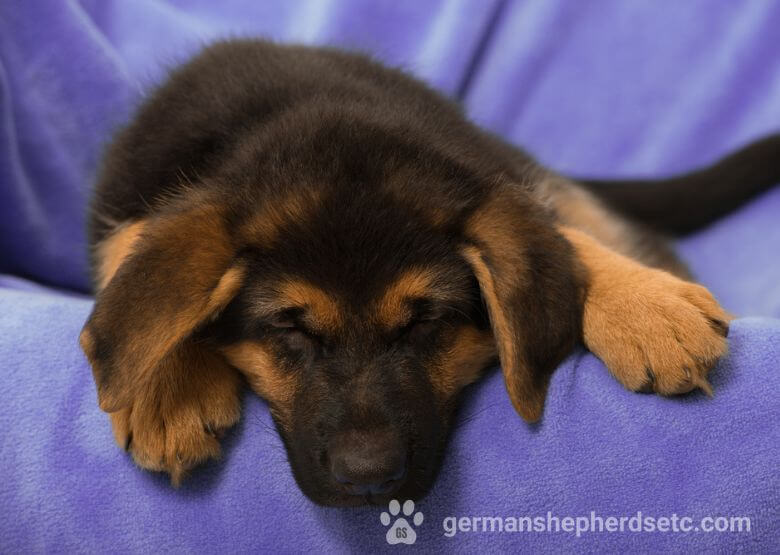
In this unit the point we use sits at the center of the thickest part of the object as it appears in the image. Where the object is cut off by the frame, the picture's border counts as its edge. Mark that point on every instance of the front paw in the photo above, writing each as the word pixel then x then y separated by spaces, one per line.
pixel 176 421
pixel 656 332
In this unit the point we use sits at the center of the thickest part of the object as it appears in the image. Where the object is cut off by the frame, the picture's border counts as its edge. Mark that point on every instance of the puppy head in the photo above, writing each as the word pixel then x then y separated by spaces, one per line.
pixel 364 320
pixel 362 392
pixel 358 318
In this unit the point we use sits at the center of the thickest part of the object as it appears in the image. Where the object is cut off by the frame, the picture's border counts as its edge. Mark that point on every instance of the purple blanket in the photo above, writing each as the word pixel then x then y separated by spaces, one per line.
pixel 607 88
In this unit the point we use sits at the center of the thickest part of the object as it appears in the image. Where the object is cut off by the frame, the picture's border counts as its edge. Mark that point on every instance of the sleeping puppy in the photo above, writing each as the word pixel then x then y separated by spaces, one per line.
pixel 338 236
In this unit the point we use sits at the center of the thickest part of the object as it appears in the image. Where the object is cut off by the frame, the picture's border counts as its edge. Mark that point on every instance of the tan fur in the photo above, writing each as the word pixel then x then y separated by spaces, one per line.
pixel 168 397
pixel 265 226
pixel 175 420
pixel 471 351
pixel 168 304
pixel 322 312
pixel 527 401
pixel 257 363
pixel 392 309
pixel 112 251
pixel 225 289
pixel 494 227
pixel 87 343
pixel 322 309
pixel 641 322
pixel 576 207
pixel 652 330
pixel 499 263
pixel 159 339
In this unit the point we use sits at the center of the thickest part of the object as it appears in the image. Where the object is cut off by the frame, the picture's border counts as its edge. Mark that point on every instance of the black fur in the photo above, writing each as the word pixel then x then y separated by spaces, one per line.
pixel 682 204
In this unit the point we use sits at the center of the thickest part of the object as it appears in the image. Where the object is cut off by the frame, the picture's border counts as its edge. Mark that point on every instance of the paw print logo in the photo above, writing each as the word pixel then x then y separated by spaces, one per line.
pixel 401 531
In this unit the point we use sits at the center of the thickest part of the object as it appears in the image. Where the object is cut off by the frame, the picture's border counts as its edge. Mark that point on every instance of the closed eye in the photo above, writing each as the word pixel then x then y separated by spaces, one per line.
pixel 288 321
pixel 425 319
pixel 288 325
pixel 418 328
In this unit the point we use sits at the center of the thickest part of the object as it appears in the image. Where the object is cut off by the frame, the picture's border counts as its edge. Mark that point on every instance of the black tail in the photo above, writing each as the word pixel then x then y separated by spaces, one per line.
pixel 682 204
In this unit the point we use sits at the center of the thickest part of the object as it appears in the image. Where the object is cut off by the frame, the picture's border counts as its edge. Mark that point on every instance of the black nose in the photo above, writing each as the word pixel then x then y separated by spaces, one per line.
pixel 368 462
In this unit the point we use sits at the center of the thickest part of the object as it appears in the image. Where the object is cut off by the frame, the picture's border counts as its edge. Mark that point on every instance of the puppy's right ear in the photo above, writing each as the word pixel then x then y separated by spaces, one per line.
pixel 532 287
pixel 182 270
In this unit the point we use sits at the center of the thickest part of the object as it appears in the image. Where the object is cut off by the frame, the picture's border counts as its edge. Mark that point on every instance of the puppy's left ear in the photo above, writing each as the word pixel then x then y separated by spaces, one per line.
pixel 183 270
pixel 533 288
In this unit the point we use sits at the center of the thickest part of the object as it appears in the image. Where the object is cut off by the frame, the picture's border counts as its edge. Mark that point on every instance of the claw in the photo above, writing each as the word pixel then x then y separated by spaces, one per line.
pixel 704 385
pixel 176 476
pixel 210 430
pixel 698 381
pixel 128 441
pixel 649 385
pixel 721 327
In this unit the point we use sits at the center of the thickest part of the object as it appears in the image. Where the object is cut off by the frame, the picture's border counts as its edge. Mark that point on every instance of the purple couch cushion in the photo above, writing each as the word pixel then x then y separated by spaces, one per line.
pixel 67 487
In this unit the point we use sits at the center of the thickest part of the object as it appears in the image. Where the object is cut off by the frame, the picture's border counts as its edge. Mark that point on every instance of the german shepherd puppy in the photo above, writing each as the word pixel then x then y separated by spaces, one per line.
pixel 337 235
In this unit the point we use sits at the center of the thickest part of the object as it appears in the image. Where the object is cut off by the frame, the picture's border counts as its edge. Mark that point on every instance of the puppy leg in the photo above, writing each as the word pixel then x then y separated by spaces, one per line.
pixel 175 421
pixel 578 208
pixel 159 281
pixel 654 331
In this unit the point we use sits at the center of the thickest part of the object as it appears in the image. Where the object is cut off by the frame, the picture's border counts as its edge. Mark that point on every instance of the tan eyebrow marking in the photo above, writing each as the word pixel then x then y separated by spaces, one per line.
pixel 321 310
pixel 392 310
pixel 434 283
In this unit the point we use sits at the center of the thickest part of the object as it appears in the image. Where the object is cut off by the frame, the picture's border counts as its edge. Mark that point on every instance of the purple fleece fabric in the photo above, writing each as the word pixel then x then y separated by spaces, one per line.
pixel 607 88
pixel 67 487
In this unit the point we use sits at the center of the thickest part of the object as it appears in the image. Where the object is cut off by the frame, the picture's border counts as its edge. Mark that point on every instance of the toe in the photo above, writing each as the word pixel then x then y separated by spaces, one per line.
pixel 649 385
pixel 719 326
pixel 120 425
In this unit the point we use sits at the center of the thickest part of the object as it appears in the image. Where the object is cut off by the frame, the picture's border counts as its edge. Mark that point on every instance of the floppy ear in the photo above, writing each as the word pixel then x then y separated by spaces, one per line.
pixel 533 288
pixel 182 271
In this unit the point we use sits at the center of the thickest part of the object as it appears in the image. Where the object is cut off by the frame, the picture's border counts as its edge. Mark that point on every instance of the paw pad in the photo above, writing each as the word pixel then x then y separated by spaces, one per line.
pixel 401 531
